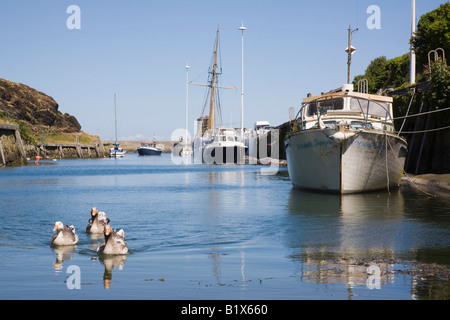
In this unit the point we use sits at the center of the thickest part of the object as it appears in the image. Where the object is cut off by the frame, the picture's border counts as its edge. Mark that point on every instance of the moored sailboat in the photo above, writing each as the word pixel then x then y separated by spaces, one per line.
pixel 218 145
pixel 116 151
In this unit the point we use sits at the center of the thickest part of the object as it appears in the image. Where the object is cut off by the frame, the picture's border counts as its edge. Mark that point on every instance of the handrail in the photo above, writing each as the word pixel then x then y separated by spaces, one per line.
pixel 365 113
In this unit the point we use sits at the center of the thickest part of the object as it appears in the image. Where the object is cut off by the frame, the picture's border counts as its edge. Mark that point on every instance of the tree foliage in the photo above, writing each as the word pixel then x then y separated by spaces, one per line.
pixel 382 73
pixel 438 93
pixel 433 31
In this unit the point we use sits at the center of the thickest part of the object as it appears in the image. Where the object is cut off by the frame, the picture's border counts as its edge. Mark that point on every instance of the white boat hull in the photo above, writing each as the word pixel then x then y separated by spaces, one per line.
pixel 214 154
pixel 362 161
pixel 117 153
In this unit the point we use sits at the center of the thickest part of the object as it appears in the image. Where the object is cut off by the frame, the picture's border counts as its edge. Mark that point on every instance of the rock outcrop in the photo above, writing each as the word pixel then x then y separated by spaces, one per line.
pixel 20 102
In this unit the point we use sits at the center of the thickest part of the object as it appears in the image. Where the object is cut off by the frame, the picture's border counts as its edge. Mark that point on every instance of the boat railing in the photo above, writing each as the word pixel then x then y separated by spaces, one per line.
pixel 367 111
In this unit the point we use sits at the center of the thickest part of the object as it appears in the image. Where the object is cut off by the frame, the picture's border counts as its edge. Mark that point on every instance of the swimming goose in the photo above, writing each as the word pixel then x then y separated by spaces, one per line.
pixel 114 242
pixel 65 235
pixel 97 221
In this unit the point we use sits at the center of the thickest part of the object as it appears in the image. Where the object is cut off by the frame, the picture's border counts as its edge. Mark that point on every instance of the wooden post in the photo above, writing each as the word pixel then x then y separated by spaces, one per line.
pixel 1 153
pixel 21 147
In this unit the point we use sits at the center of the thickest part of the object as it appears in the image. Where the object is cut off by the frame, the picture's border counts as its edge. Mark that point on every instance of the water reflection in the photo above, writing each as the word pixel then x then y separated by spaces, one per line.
pixel 96 240
pixel 111 262
pixel 350 239
pixel 62 253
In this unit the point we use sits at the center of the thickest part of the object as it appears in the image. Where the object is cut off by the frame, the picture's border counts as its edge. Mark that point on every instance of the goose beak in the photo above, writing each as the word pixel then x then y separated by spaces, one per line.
pixel 107 230
pixel 55 228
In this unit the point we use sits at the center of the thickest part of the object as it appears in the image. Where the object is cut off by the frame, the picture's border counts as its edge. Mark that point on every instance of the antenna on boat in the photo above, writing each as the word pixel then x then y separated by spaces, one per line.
pixel 350 50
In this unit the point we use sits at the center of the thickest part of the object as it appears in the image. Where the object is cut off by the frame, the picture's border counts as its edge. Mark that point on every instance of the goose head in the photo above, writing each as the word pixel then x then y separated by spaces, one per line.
pixel 107 230
pixel 58 226
pixel 94 211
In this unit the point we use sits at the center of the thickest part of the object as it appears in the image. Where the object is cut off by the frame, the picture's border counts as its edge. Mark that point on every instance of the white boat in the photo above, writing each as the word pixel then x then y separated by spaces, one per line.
pixel 218 145
pixel 261 128
pixel 224 148
pixel 116 151
pixel 187 150
pixel 344 142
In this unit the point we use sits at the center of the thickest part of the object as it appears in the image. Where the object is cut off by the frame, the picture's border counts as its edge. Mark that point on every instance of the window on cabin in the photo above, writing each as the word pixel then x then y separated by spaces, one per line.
pixel 324 106
pixel 334 104
pixel 370 107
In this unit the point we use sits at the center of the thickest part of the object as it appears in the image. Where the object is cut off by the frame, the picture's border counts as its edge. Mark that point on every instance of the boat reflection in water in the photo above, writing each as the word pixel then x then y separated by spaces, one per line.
pixel 351 239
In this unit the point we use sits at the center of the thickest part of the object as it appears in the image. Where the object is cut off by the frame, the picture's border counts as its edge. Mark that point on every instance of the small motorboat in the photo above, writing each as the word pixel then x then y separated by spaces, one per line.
pixel 149 149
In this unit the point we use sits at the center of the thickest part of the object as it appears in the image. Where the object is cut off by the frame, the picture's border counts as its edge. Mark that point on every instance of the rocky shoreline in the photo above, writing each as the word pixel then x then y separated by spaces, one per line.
pixel 432 182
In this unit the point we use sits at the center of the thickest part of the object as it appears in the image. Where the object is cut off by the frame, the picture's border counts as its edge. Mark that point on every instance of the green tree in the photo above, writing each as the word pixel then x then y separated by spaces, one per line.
pixel 433 31
pixel 376 74
pixel 398 70
pixel 438 93
pixel 382 73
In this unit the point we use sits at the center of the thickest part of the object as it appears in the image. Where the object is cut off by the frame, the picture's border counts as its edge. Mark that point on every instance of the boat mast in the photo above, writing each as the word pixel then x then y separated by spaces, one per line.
pixel 350 51
pixel 211 120
pixel 115 118
pixel 242 28
pixel 412 72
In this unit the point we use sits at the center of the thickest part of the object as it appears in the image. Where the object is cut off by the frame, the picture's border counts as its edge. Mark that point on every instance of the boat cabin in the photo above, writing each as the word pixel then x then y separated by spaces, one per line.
pixel 227 135
pixel 148 144
pixel 345 107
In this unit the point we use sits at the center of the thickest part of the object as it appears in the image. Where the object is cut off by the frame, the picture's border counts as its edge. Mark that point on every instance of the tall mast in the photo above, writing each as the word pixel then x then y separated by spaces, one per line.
pixel 350 50
pixel 242 28
pixel 115 118
pixel 187 100
pixel 412 73
pixel 211 120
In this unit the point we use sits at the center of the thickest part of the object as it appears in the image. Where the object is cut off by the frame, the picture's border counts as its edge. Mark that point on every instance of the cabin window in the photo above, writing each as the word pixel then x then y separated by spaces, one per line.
pixel 370 107
pixel 334 104
pixel 324 106
pixel 312 109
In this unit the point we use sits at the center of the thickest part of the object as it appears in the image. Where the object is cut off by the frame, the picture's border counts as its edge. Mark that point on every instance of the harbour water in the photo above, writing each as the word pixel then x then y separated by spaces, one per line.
pixel 216 232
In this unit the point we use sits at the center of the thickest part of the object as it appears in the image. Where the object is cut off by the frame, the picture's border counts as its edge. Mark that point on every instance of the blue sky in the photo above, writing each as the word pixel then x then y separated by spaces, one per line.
pixel 138 49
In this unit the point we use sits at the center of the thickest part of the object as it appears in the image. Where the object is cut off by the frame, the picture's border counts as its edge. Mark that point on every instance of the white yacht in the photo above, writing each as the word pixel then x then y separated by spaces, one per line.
pixel 224 147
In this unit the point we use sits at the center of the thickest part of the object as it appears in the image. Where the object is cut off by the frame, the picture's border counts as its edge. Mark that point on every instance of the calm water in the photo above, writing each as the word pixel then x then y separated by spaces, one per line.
pixel 216 232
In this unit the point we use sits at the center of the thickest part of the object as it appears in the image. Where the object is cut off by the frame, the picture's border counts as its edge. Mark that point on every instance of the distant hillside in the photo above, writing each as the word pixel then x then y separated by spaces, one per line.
pixel 34 109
